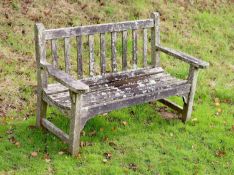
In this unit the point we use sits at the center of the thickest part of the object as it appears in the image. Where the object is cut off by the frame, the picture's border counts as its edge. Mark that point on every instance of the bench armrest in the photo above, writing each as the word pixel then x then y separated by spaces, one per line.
pixel 65 79
pixel 184 57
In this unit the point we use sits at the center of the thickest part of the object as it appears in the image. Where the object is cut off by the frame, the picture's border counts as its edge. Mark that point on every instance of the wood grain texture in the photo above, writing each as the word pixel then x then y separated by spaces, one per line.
pixel 184 57
pixel 103 53
pixel 67 55
pixel 55 130
pixel 188 107
pixel 113 52
pixel 65 79
pixel 134 48
pixel 91 56
pixel 42 76
pixel 99 28
pixel 79 57
pixel 145 42
pixel 75 123
pixel 155 39
pixel 124 50
pixel 54 53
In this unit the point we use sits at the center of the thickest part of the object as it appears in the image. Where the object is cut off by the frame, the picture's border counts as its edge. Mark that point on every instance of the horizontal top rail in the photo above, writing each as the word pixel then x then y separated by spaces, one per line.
pixel 98 28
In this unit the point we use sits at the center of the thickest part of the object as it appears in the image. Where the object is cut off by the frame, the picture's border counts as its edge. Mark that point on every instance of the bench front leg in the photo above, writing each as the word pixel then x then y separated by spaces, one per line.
pixel 188 104
pixel 75 123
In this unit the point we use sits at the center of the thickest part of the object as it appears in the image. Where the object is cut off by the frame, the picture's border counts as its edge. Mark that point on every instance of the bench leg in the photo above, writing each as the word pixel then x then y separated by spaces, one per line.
pixel 41 109
pixel 75 123
pixel 188 106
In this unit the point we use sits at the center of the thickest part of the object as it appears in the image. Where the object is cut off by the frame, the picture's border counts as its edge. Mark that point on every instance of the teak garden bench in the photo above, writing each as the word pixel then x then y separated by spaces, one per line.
pixel 86 96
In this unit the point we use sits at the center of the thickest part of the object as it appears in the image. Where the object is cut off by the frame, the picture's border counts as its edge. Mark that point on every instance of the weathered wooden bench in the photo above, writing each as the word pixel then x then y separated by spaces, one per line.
pixel 84 97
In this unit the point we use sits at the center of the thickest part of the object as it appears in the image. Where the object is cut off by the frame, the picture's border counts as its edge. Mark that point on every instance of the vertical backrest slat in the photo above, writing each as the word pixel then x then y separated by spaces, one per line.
pixel 155 39
pixel 54 52
pixel 145 39
pixel 124 50
pixel 103 53
pixel 134 48
pixel 67 54
pixel 79 57
pixel 113 52
pixel 91 55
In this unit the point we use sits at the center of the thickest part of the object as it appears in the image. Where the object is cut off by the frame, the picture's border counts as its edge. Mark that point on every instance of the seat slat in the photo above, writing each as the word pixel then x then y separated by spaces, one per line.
pixel 120 75
pixel 121 89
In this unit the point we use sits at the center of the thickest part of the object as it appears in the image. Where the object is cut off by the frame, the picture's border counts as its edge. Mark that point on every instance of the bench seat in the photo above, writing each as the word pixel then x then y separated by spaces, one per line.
pixel 114 91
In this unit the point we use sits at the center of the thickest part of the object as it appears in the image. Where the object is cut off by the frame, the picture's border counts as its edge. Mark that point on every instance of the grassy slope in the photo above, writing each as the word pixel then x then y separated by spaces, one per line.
pixel 155 145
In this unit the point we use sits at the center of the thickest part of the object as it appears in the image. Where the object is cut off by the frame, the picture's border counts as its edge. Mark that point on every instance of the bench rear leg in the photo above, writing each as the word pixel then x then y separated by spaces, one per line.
pixel 41 109
pixel 188 104
pixel 75 123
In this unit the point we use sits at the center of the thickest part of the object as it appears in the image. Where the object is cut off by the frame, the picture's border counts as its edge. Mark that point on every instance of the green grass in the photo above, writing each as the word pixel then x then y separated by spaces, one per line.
pixel 148 143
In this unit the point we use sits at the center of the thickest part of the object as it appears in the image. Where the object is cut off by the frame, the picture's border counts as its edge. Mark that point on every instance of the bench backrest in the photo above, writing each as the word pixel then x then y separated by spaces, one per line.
pixel 43 36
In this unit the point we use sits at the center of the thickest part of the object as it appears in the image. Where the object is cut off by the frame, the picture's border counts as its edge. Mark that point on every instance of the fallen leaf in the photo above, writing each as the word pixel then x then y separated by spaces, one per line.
pixel 171 134
pixel 132 166
pixel 47 158
pixel 60 152
pixel 220 153
pixel 107 155
pixel 217 104
pixel 17 144
pixel 124 123
pixel 219 110
pixel 101 129
pixel 34 154
pixel 232 128
pixel 105 138
pixel 104 160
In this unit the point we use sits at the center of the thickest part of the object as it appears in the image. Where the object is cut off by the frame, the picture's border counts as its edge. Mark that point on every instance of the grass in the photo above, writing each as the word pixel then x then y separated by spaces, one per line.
pixel 138 139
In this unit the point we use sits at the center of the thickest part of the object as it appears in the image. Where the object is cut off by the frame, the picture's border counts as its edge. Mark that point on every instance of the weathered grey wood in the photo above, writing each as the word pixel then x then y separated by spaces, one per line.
pixel 79 57
pixel 171 105
pixel 134 49
pixel 110 77
pixel 66 79
pixel 56 131
pixel 67 54
pixel 75 123
pixel 84 98
pixel 155 39
pixel 113 52
pixel 188 107
pixel 145 41
pixel 124 50
pixel 106 107
pixel 54 53
pixel 184 57
pixel 103 53
pixel 100 28
pixel 41 74
pixel 91 55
